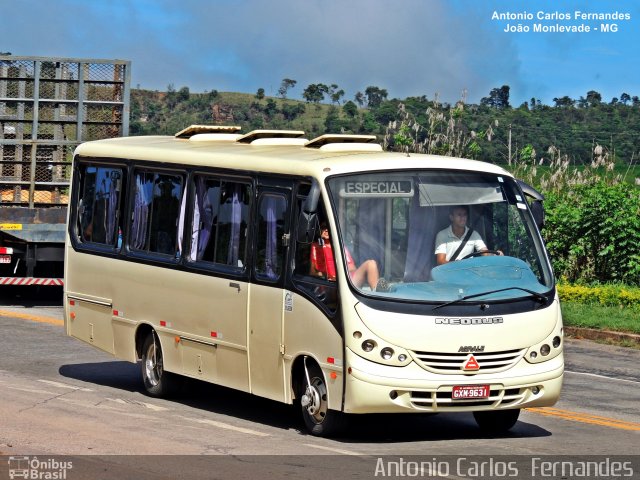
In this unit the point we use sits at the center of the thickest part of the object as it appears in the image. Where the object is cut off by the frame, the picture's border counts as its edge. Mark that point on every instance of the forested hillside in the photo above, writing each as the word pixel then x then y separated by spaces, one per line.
pixel 492 131
pixel 582 154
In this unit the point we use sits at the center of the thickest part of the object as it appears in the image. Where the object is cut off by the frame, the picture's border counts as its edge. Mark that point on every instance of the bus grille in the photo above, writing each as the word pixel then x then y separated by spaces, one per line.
pixel 451 363
pixel 442 399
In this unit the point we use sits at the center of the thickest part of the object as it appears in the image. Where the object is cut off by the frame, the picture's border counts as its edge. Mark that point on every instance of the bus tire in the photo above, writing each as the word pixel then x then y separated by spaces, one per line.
pixel 496 421
pixel 318 418
pixel 157 382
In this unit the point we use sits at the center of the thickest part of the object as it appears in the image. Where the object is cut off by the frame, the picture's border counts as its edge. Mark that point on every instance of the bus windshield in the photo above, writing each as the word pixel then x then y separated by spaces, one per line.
pixel 439 236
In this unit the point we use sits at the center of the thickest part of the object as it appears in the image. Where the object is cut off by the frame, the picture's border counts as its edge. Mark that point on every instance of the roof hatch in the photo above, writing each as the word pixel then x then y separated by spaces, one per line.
pixel 345 143
pixel 209 132
pixel 274 137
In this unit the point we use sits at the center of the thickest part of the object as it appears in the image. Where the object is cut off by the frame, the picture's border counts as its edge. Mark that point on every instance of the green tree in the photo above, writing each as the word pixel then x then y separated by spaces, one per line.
pixel 369 124
pixel 292 111
pixel 172 97
pixel 315 92
pixel 350 109
pixel 332 122
pixel 183 94
pixel 375 96
pixel 498 98
pixel 593 98
pixel 260 94
pixel 271 108
pixel 564 102
pixel 335 93
pixel 286 84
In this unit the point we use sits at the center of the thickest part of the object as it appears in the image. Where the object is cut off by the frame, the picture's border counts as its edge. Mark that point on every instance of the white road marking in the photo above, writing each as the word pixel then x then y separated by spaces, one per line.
pixel 150 406
pixel 80 403
pixel 334 450
pixel 102 406
pixel 31 390
pixel 227 426
pixel 602 376
pixel 64 385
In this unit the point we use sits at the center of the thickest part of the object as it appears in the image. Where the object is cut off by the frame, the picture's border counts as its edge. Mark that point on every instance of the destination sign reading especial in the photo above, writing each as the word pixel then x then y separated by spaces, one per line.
pixel 375 188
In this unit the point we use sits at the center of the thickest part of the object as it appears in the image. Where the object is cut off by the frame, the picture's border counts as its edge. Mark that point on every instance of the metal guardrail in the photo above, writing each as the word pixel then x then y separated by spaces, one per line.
pixel 48 106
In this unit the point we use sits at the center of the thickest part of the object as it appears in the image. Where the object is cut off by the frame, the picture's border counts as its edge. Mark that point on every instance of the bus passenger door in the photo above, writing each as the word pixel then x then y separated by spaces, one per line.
pixel 267 296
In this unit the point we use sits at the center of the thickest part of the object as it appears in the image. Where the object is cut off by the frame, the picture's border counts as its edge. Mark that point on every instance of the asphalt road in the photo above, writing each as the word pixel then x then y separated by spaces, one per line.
pixel 59 396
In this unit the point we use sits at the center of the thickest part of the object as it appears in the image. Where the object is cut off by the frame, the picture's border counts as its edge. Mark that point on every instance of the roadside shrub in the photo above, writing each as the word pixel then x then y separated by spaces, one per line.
pixel 592 232
pixel 602 295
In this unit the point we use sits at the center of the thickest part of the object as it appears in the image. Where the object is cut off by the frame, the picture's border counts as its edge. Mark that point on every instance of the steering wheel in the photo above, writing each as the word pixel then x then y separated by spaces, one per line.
pixel 482 252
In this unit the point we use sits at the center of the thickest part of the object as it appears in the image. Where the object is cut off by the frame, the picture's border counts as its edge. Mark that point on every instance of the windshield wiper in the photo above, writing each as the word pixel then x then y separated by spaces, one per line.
pixel 541 298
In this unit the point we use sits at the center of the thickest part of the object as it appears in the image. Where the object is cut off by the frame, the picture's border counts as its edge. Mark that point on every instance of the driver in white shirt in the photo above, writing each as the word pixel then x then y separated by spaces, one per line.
pixel 449 240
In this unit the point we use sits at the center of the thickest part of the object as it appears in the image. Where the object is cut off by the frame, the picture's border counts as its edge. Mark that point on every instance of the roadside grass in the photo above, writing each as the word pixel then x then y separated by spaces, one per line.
pixel 617 319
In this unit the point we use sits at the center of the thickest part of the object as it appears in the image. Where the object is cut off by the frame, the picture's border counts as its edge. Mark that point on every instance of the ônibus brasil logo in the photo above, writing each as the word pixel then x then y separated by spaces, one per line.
pixel 34 468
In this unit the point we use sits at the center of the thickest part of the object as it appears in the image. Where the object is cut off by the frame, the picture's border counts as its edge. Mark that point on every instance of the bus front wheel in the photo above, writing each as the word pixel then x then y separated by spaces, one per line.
pixel 319 420
pixel 496 421
pixel 157 382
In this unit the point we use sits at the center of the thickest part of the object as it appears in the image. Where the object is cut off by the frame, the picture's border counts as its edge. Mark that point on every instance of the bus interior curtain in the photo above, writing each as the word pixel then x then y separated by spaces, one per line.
pixel 144 191
pixel 236 218
pixel 271 246
pixel 112 206
pixel 183 208
pixel 202 220
pixel 421 242
pixel 370 228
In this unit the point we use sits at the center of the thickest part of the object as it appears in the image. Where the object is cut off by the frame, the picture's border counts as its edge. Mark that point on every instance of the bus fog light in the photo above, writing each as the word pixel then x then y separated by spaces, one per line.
pixel 533 355
pixel 556 342
pixel 368 345
pixel 386 353
pixel 393 394
pixel 357 335
pixel 545 349
pixel 402 357
pixel 535 390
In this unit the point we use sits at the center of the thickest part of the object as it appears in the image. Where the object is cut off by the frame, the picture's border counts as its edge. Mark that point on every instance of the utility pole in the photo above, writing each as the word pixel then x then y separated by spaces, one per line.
pixel 509 159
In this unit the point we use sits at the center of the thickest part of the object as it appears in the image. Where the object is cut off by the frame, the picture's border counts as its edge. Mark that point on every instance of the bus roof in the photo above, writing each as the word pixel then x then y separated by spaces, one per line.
pixel 318 158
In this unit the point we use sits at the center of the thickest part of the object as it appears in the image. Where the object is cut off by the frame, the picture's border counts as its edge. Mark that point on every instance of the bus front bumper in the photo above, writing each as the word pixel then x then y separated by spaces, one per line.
pixel 374 388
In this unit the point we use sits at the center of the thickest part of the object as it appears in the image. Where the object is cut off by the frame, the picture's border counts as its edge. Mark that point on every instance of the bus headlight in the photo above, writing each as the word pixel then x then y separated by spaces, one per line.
pixel 547 349
pixel 386 353
pixel 368 345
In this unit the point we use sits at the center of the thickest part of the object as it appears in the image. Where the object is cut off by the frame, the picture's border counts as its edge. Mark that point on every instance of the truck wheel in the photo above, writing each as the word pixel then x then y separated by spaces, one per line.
pixel 157 382
pixel 496 421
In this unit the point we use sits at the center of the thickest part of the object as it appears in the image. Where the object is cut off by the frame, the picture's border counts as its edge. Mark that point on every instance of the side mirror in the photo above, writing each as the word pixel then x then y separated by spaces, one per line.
pixel 308 218
pixel 536 207
pixel 538 213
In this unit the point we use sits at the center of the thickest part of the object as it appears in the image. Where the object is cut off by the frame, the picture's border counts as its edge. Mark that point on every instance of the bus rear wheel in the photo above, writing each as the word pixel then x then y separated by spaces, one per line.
pixel 319 420
pixel 496 421
pixel 157 382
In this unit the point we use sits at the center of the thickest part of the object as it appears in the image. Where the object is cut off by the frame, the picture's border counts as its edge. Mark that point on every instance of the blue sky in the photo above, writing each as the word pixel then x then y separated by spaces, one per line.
pixel 409 47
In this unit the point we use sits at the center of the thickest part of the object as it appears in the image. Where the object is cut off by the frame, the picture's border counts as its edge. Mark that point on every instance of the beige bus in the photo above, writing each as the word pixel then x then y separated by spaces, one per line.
pixel 325 273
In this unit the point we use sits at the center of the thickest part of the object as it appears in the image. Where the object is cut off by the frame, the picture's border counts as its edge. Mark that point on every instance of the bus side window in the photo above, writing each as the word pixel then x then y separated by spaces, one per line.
pixel 310 271
pixel 304 253
pixel 156 212
pixel 99 204
pixel 271 227
pixel 219 224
